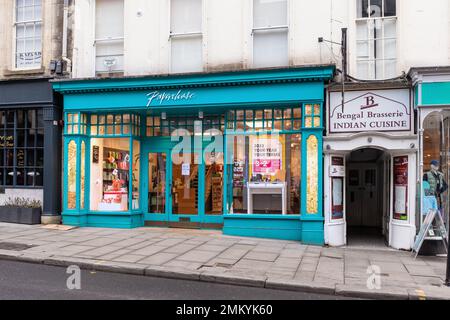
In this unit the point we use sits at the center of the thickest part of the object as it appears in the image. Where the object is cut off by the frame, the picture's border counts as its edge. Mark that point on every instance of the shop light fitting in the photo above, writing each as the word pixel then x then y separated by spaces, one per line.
pixel 200 115
pixel 163 116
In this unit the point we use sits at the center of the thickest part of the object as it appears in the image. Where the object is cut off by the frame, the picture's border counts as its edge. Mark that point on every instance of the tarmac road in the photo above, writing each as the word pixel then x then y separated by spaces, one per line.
pixel 24 281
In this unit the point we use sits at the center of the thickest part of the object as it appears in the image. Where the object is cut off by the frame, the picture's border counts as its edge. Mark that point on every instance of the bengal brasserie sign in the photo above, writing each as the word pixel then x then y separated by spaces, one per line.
pixel 377 110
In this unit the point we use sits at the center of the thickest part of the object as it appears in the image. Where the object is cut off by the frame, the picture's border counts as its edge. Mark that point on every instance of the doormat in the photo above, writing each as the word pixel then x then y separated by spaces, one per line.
pixel 59 227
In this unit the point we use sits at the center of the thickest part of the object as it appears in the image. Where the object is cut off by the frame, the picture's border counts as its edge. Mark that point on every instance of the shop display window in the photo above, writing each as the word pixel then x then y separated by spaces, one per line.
pixel 72 175
pixel 21 148
pixel 110 174
pixel 436 165
pixel 270 163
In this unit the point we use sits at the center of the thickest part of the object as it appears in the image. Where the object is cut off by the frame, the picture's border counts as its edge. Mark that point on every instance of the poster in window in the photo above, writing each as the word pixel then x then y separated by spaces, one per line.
pixel 266 155
pixel 337 206
pixel 401 188
pixel 337 168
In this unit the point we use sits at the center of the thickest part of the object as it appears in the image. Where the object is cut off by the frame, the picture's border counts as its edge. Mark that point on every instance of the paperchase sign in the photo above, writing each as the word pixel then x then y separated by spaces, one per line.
pixel 377 110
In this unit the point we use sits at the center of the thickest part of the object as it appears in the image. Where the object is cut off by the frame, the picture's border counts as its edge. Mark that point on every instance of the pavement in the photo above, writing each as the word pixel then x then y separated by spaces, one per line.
pixel 26 281
pixel 210 256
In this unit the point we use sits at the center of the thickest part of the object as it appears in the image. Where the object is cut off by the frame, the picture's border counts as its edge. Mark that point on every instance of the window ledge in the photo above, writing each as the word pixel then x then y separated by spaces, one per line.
pixel 19 72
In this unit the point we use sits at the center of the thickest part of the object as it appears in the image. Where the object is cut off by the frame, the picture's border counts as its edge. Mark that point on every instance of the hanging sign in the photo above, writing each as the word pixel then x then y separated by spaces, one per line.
pixel 266 155
pixel 401 188
pixel 377 110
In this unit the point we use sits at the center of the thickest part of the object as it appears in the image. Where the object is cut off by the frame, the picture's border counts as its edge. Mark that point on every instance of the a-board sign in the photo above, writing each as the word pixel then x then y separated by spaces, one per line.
pixel 427 225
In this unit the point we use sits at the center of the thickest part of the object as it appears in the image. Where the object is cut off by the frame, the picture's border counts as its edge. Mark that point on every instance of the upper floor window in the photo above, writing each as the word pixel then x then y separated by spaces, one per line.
pixel 28 30
pixel 186 36
pixel 109 39
pixel 270 33
pixel 376 44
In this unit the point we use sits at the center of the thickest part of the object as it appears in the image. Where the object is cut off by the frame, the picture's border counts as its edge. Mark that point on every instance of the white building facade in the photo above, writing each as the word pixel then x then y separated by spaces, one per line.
pixel 371 146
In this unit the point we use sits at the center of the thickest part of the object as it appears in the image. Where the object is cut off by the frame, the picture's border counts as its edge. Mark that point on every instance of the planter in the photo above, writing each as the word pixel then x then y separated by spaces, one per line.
pixel 20 215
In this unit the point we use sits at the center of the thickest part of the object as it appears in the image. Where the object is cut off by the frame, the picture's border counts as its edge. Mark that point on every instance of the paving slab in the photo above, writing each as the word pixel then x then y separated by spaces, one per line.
pixel 158 258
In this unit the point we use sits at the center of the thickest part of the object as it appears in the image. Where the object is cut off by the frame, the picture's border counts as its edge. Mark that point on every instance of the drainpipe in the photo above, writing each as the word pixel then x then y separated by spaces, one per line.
pixel 64 41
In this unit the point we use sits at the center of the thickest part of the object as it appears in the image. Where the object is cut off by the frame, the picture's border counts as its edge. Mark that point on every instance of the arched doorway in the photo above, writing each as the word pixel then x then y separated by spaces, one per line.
pixel 367 186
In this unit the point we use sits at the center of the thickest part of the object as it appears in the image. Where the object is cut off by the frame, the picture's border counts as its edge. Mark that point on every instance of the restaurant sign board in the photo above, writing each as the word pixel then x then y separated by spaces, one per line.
pixel 376 110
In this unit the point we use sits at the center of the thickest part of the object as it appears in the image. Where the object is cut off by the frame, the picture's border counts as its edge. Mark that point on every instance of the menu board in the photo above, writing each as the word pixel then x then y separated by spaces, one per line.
pixel 401 188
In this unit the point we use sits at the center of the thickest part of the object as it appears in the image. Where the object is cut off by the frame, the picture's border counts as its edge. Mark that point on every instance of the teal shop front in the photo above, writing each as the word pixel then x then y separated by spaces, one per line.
pixel 237 151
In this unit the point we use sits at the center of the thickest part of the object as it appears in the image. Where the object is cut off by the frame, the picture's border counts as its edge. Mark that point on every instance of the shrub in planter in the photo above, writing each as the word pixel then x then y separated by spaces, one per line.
pixel 21 210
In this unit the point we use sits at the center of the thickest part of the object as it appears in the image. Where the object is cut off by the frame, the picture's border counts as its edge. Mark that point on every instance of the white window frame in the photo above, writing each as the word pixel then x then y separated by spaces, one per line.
pixel 196 34
pixel 106 40
pixel 271 28
pixel 371 60
pixel 14 40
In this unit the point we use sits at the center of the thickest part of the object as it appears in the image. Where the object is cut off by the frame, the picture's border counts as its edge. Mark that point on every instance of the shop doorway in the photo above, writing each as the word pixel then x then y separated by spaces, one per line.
pixel 367 192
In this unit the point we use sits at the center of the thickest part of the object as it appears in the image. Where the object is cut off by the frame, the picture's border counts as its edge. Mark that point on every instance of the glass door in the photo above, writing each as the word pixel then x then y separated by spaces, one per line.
pixel 185 184
pixel 157 182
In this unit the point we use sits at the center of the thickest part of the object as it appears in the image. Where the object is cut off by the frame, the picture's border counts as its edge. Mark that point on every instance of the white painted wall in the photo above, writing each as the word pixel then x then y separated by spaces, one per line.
pixel 423 34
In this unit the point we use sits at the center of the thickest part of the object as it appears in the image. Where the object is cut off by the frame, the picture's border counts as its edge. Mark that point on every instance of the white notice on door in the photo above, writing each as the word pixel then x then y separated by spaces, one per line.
pixel 186 169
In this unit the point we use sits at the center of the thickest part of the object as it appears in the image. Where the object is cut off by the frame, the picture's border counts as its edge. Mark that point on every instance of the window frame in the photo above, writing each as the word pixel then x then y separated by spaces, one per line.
pixel 371 41
pixel 105 41
pixel 186 35
pixel 269 29
pixel 24 23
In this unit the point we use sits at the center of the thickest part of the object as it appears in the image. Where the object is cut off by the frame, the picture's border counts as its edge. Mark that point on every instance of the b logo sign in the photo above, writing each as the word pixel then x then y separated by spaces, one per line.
pixel 370 103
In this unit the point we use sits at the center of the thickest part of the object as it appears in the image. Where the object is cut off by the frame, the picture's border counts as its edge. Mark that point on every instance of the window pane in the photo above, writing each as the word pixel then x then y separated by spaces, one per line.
pixel 390 8
pixel 376 8
pixel 269 13
pixel 186 54
pixel 82 174
pixel 362 6
pixel 186 16
pixel 363 70
pixel 109 56
pixel 270 48
pixel 109 22
pixel 136 167
pixel 72 176
pixel 157 183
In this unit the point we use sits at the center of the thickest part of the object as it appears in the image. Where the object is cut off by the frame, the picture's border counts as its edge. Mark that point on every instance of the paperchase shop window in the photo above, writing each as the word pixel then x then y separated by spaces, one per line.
pixel 114 161
pixel 266 161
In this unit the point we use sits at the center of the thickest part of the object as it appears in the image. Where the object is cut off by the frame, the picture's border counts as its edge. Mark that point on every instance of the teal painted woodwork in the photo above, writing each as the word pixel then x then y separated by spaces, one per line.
pixel 263 226
pixel 434 93
pixel 293 87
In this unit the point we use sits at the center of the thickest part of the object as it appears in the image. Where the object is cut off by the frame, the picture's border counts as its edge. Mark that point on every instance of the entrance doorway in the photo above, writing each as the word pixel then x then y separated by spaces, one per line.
pixel 367 198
